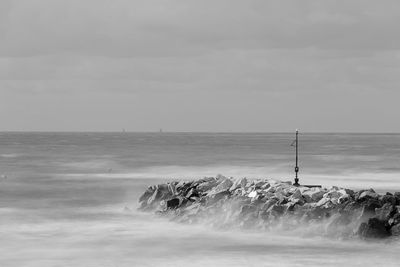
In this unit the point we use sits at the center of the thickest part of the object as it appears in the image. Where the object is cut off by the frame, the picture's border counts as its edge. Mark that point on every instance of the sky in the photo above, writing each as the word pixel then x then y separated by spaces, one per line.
pixel 200 65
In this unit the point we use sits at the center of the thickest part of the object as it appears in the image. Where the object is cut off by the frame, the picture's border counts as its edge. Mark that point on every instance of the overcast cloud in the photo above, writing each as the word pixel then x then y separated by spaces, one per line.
pixel 204 65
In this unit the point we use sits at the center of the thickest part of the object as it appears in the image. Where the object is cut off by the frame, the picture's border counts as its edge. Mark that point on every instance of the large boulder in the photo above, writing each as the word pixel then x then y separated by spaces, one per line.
pixel 388 198
pixel 314 194
pixel 395 230
pixel 263 184
pixel 147 194
pixel 269 203
pixel 238 183
pixel 185 187
pixel 173 203
pixel 296 198
pixel 161 192
pixel 368 209
pixel 374 228
pixel 397 196
pixel 338 195
pixel 396 218
pixel 366 194
pixel 385 212
pixel 276 210
pixel 207 184
pixel 222 186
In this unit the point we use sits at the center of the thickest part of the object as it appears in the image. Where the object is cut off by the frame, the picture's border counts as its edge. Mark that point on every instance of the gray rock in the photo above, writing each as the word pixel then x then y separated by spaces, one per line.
pixel 269 203
pixel 224 185
pixel 395 230
pixel 173 203
pixel 385 212
pixel 395 219
pixel 374 228
pixel 276 209
pixel 397 196
pixel 368 209
pixel 388 199
pixel 148 193
pixel 238 183
pixel 314 194
pixel 207 185
pixel 156 196
pixel 368 194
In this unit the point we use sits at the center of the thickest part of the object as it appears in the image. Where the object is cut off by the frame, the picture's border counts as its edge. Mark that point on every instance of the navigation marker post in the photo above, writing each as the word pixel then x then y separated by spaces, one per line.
pixel 296 169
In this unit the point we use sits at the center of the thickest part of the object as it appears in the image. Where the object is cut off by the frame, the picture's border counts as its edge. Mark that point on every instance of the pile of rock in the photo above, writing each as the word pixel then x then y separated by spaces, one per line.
pixel 266 203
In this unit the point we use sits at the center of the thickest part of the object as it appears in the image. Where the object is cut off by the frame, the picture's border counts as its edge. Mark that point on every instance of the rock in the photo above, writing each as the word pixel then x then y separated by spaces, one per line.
pixel 332 194
pixel 156 196
pixel 368 209
pixel 184 188
pixel 323 201
pixel 238 183
pixel 253 194
pixel 395 230
pixel 192 193
pixel 367 194
pixel 317 213
pixel 276 210
pixel 297 194
pixel 207 185
pixel 374 228
pixel 388 199
pixel 173 203
pixel 172 189
pixel 349 192
pixel 280 197
pixel 268 204
pixel 337 195
pixel 224 185
pixel 147 194
pixel 385 212
pixel 315 194
pixel 213 198
pixel 296 198
pixel 397 196
pixel 395 219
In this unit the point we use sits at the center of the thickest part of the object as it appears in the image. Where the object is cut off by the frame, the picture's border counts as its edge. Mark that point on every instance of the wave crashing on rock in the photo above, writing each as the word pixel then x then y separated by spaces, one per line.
pixel 270 204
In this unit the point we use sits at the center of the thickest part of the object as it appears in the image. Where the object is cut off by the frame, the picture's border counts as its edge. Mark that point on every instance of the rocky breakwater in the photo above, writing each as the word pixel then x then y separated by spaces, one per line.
pixel 269 204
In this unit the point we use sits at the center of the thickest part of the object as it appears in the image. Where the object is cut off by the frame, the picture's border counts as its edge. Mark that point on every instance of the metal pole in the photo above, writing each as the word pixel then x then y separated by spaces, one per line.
pixel 296 169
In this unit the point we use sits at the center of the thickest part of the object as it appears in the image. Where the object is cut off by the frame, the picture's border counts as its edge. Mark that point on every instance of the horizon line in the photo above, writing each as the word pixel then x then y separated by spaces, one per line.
pixel 204 132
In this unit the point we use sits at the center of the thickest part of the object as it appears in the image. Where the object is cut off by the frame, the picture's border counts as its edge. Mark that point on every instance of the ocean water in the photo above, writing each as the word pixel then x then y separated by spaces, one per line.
pixel 70 199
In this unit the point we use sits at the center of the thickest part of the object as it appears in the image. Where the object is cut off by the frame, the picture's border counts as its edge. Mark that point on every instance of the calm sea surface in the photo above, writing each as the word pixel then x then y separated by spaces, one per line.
pixel 69 199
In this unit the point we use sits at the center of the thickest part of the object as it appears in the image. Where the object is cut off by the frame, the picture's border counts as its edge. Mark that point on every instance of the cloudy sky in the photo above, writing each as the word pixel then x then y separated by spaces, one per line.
pixel 199 65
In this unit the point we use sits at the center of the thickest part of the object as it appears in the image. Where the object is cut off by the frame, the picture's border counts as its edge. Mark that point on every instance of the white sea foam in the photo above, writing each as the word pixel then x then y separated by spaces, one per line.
pixel 138 239
pixel 10 155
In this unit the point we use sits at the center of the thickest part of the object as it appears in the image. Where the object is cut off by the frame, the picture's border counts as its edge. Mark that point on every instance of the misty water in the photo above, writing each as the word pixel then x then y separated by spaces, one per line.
pixel 70 199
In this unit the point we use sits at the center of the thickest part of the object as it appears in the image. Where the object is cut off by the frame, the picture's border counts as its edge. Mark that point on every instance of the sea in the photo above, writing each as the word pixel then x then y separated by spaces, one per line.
pixel 70 199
